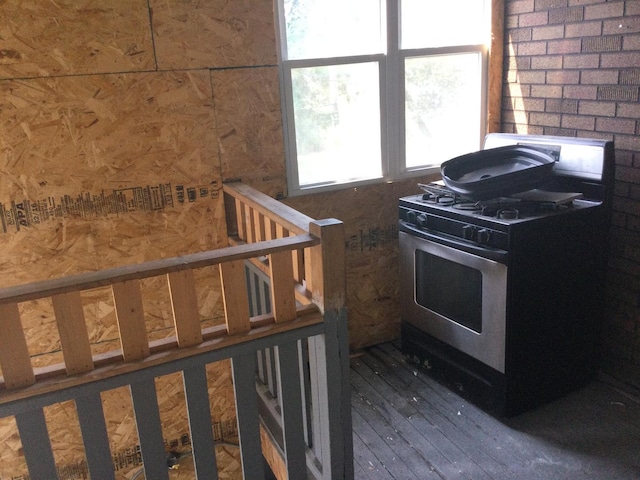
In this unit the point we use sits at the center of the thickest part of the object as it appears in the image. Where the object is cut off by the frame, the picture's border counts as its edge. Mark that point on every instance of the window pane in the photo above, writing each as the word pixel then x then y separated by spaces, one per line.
pixel 332 28
pixel 337 122
pixel 437 23
pixel 442 107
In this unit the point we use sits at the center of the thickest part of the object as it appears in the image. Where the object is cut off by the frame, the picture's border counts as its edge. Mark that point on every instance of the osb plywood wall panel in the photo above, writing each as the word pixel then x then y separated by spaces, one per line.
pixel 105 161
pixel 70 37
pixel 69 142
pixel 250 127
pixel 370 216
pixel 213 33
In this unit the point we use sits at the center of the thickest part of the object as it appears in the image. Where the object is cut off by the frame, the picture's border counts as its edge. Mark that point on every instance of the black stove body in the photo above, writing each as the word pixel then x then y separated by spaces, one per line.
pixel 502 299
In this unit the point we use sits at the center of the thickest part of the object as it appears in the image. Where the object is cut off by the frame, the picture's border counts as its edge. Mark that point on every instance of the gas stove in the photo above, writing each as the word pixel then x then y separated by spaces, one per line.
pixel 580 181
pixel 501 298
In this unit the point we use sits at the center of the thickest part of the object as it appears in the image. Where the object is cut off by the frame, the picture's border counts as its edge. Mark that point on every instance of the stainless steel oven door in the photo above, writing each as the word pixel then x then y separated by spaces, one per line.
pixel 457 297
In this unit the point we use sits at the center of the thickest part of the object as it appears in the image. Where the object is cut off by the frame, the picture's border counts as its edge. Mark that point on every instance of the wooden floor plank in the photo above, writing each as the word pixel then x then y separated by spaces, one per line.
pixel 477 433
pixel 382 451
pixel 407 421
pixel 415 428
pixel 428 452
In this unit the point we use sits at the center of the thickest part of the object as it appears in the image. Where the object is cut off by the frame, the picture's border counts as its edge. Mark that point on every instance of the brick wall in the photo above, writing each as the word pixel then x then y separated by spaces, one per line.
pixel 572 67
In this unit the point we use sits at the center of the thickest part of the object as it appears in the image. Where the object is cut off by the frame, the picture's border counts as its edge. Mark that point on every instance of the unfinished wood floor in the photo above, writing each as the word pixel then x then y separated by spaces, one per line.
pixel 406 426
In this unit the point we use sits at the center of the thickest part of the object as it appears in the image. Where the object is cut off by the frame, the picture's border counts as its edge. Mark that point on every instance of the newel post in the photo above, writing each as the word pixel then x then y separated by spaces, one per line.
pixel 327 279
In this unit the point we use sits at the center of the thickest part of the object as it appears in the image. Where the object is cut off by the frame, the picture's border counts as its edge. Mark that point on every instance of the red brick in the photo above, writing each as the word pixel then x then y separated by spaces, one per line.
pixel 629 142
pixel 517 35
pixel 583 29
pixel 566 15
pixel 560 132
pixel 564 46
pixel 582 61
pixel 604 43
pixel 563 77
pixel 630 76
pixel 511 21
pixel 604 10
pixel 622 93
pixel 557 105
pixel 573 3
pixel 620 60
pixel 532 48
pixel 619 26
pixel 546 119
pixel 616 125
pixel 519 6
pixel 581 92
pixel 546 62
pixel 527 104
pixel 628 110
pixel 578 122
pixel 599 77
pixel 631 42
pixel 531 77
pixel 509 116
pixel 547 4
pixel 533 19
pixel 547 33
pixel 546 91
pixel 598 108
pixel 633 8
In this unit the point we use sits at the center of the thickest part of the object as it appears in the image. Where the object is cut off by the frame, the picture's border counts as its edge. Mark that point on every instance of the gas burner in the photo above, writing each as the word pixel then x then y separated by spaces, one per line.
pixel 468 206
pixel 508 214
pixel 445 200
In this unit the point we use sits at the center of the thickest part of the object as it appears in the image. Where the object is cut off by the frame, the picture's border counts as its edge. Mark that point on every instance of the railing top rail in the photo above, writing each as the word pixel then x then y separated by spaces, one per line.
pixel 102 278
pixel 286 216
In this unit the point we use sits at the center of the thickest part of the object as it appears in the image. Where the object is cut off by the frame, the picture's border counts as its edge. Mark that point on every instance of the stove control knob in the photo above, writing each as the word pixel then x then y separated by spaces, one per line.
pixel 468 231
pixel 411 216
pixel 421 220
pixel 484 235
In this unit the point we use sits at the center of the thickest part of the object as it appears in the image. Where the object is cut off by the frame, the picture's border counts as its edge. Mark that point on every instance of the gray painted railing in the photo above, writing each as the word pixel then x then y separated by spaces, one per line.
pixel 285 334
pixel 329 462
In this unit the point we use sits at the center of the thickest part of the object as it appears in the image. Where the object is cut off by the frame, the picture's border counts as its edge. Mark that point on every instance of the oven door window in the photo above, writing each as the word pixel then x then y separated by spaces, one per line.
pixel 450 289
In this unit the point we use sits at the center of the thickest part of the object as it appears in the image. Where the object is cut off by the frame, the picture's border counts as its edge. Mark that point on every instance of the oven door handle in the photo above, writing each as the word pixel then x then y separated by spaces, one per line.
pixel 498 255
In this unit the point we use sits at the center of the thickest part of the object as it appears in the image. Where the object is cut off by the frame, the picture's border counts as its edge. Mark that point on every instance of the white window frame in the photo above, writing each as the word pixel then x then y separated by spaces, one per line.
pixel 392 99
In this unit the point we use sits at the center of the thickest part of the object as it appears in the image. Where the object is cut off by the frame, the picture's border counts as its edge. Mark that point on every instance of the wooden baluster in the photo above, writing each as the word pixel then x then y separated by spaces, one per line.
pixel 251 227
pixel 184 301
pixel 234 295
pixel 130 316
pixel 258 222
pixel 72 328
pixel 270 227
pixel 282 294
pixel 240 222
pixel 14 354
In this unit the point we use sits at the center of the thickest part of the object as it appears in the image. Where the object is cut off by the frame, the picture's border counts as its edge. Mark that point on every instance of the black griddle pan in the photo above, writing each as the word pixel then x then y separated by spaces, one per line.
pixel 497 172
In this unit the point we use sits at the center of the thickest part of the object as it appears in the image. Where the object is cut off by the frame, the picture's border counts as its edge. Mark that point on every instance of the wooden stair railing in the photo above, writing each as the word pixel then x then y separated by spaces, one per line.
pixel 304 260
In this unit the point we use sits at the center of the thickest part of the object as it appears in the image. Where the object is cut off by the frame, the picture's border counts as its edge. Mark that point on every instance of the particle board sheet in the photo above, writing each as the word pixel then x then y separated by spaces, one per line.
pixel 213 34
pixel 41 38
pixel 102 171
pixel 370 216
pixel 249 126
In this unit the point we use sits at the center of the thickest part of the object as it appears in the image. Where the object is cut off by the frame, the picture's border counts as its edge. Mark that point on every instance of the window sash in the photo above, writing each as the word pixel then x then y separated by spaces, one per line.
pixel 392 103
